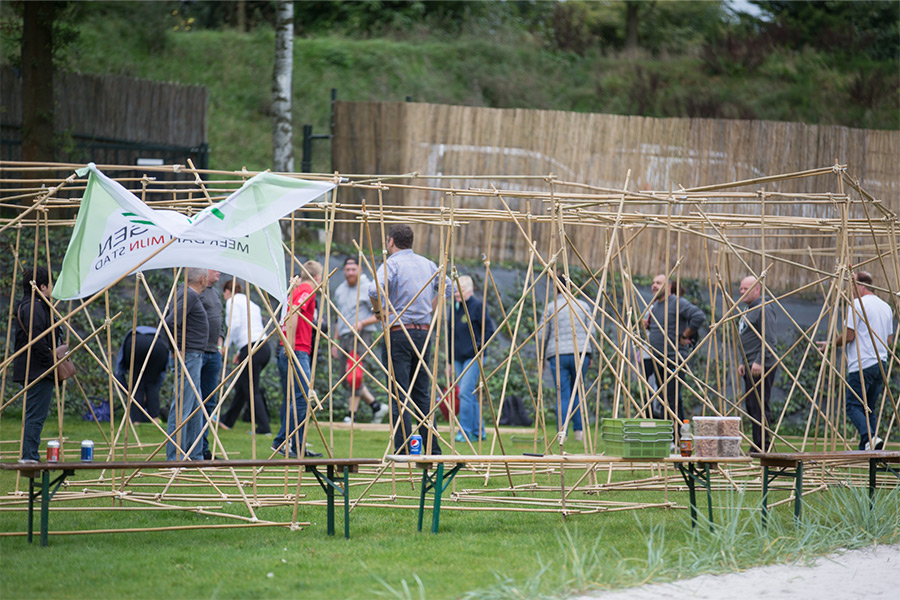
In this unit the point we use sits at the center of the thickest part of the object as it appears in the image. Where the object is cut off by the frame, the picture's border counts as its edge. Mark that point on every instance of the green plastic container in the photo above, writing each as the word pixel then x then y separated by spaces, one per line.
pixel 637 438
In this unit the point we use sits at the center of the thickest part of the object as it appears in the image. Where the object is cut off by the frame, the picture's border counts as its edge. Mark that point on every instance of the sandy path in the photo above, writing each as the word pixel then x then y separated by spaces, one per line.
pixel 866 573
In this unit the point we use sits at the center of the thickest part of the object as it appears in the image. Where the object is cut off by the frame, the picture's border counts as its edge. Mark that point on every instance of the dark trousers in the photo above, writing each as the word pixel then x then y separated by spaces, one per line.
pixel 242 390
pixel 37 405
pixel 210 376
pixel 404 362
pixel 753 388
pixel 873 381
pixel 661 369
pixel 146 391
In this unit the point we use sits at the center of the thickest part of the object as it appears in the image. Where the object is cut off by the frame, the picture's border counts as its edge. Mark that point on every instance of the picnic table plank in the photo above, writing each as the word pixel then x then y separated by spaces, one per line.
pixel 326 481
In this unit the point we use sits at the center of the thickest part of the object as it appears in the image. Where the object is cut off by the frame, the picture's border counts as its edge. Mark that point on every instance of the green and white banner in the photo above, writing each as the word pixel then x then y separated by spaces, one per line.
pixel 115 232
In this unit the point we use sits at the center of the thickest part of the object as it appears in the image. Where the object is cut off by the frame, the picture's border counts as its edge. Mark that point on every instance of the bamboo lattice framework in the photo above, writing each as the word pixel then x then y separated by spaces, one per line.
pixel 737 228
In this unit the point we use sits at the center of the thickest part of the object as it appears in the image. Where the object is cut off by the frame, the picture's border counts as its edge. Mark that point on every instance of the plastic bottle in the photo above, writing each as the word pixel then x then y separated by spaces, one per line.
pixel 687 439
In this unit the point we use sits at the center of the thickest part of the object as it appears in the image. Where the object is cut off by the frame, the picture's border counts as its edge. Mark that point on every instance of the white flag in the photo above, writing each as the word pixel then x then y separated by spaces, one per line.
pixel 115 232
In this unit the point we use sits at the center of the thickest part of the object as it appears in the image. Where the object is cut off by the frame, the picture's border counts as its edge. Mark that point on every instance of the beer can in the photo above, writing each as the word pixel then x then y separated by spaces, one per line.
pixel 87 451
pixel 415 444
pixel 53 451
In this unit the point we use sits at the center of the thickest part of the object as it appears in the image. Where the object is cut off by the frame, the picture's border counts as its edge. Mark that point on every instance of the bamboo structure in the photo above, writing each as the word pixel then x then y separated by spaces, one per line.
pixel 737 229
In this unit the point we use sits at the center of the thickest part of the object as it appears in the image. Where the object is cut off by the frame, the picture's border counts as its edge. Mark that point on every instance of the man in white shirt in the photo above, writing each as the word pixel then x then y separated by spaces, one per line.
pixel 245 328
pixel 868 333
pixel 351 298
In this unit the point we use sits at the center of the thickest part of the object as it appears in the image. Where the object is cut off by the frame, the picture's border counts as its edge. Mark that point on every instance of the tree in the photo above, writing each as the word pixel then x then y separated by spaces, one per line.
pixel 282 131
pixel 37 81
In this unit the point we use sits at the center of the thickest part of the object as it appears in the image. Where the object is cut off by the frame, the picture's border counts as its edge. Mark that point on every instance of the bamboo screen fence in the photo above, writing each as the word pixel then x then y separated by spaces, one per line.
pixel 115 107
pixel 616 226
pixel 594 151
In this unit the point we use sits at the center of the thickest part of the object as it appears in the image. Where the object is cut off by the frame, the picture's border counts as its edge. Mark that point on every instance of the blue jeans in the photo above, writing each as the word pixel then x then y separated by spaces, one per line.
pixel 874 383
pixel 568 364
pixel 37 405
pixel 469 414
pixel 300 376
pixel 210 375
pixel 190 430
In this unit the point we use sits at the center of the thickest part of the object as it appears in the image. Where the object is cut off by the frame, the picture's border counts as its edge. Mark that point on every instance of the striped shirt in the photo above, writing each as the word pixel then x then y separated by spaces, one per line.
pixel 404 273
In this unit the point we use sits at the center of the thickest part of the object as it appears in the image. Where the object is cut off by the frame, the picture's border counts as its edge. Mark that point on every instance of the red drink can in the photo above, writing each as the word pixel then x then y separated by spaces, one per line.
pixel 53 451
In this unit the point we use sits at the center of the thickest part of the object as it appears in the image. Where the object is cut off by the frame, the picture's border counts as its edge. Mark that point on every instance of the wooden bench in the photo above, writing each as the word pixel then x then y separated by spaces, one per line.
pixel 693 469
pixel 46 489
pixel 790 464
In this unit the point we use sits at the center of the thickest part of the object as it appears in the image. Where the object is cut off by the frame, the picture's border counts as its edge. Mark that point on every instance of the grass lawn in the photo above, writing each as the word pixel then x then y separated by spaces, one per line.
pixel 476 553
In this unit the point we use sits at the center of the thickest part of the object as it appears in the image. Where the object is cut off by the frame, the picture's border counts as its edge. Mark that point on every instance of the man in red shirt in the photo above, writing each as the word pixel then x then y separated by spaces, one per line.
pixel 299 328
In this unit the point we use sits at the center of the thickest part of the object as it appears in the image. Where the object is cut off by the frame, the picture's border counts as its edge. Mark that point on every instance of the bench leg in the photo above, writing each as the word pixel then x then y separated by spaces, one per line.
pixel 329 494
pixel 798 492
pixel 45 506
pixel 693 494
pixel 31 496
pixel 708 484
pixel 422 496
pixel 346 502
pixel 438 490
pixel 765 496
pixel 873 471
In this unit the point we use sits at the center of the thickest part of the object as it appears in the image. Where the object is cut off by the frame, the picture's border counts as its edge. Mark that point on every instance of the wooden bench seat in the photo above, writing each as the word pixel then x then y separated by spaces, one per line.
pixel 693 469
pixel 790 464
pixel 46 489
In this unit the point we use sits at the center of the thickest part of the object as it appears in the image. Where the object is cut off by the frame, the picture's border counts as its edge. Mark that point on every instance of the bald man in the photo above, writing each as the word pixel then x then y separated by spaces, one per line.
pixel 757 363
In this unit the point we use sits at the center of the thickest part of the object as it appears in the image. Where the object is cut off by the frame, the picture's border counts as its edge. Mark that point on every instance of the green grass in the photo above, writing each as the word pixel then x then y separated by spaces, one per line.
pixel 477 554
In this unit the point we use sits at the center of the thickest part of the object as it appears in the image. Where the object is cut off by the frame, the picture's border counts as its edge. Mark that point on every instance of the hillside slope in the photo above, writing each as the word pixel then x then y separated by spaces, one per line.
pixel 787 86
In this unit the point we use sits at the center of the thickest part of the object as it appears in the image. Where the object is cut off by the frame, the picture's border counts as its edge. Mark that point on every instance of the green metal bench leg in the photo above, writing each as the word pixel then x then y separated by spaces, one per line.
pixel 798 492
pixel 765 496
pixel 346 502
pixel 708 484
pixel 873 470
pixel 693 494
pixel 31 497
pixel 438 490
pixel 45 506
pixel 329 494
pixel 422 496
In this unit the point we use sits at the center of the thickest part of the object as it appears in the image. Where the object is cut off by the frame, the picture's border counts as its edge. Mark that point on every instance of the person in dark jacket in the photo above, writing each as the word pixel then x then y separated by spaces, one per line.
pixel 672 328
pixel 33 367
pixel 190 340
pixel 150 348
pixel 467 308
pixel 753 329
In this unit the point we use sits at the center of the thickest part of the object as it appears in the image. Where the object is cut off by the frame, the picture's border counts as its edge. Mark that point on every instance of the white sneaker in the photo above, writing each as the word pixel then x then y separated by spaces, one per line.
pixel 380 414
pixel 579 436
pixel 879 444
pixel 348 419
pixel 27 461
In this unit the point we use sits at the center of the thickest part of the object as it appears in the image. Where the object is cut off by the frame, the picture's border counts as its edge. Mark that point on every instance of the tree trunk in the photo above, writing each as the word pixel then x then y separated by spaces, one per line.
pixel 241 17
pixel 37 81
pixel 282 132
pixel 631 26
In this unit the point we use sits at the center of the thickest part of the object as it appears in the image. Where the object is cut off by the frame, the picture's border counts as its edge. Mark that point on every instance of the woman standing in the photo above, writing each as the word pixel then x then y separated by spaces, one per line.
pixel 245 327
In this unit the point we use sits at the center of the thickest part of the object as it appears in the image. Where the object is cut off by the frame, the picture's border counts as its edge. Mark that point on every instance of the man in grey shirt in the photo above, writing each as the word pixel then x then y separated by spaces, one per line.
pixel 408 286
pixel 351 300
pixel 755 356
pixel 190 342
pixel 672 327
pixel 211 372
